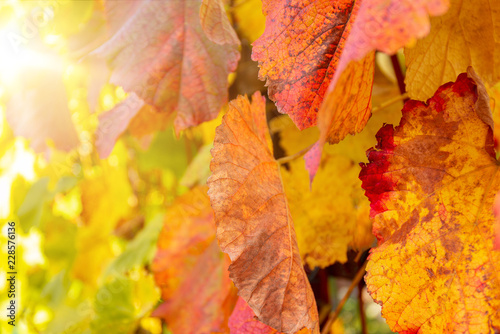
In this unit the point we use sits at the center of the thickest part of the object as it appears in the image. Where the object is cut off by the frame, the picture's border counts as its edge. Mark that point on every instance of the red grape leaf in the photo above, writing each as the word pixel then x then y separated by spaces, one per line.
pixel 160 52
pixel 148 121
pixel 431 182
pixel 254 225
pixel 114 122
pixel 496 212
pixel 299 51
pixel 307 45
pixel 243 321
pixel 388 25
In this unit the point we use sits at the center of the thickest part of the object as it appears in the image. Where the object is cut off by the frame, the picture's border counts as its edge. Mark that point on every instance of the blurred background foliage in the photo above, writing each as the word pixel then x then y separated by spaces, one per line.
pixel 87 227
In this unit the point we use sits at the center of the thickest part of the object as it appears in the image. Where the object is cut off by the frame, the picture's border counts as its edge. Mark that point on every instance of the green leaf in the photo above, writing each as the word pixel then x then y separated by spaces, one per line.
pixel 30 211
pixel 140 250
pixel 114 308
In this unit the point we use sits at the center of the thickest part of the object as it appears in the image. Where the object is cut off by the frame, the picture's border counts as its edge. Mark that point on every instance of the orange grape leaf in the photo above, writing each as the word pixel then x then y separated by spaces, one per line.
pixel 206 298
pixel 254 224
pixel 160 52
pixel 467 35
pixel 188 230
pixel 346 109
pixel 431 182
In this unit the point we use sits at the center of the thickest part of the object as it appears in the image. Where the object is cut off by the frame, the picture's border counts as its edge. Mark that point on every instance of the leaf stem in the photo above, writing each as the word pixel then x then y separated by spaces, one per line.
pixel 361 304
pixel 292 157
pixel 334 315
pixel 399 74
pixel 299 154
pixel 389 102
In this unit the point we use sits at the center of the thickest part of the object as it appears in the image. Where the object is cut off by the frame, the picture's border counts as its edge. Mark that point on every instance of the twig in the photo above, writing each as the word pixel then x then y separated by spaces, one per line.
pixel 399 73
pixel 334 315
pixel 389 102
pixel 292 157
pixel 299 154
pixel 361 304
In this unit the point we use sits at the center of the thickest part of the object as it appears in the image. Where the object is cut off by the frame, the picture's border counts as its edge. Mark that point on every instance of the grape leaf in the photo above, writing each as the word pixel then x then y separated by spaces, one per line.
pixel 254 225
pixel 327 213
pixel 299 51
pixel 148 121
pixel 187 250
pixel 347 101
pixel 160 52
pixel 114 122
pixel 187 232
pixel 431 182
pixel 38 107
pixel 308 44
pixel 243 321
pixel 331 214
pixel 496 212
pixel 104 198
pixel 389 25
pixel 346 109
pixel 467 35
pixel 208 294
pixel 139 251
pixel 215 23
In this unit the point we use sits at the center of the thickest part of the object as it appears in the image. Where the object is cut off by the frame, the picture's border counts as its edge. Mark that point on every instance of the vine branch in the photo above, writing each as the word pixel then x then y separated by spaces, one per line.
pixel 292 157
pixel 402 97
pixel 286 159
pixel 334 315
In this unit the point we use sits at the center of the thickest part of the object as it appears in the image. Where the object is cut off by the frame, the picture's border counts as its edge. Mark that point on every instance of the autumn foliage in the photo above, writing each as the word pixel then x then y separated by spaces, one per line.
pixel 216 166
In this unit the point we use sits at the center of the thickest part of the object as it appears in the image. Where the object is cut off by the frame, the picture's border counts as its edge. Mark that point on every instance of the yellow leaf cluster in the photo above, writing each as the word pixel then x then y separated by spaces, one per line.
pixel 105 200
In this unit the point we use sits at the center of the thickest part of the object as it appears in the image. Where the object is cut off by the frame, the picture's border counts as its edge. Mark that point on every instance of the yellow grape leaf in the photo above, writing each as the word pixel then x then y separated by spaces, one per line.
pixel 325 216
pixel 332 215
pixel 494 93
pixel 431 182
pixel 467 35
